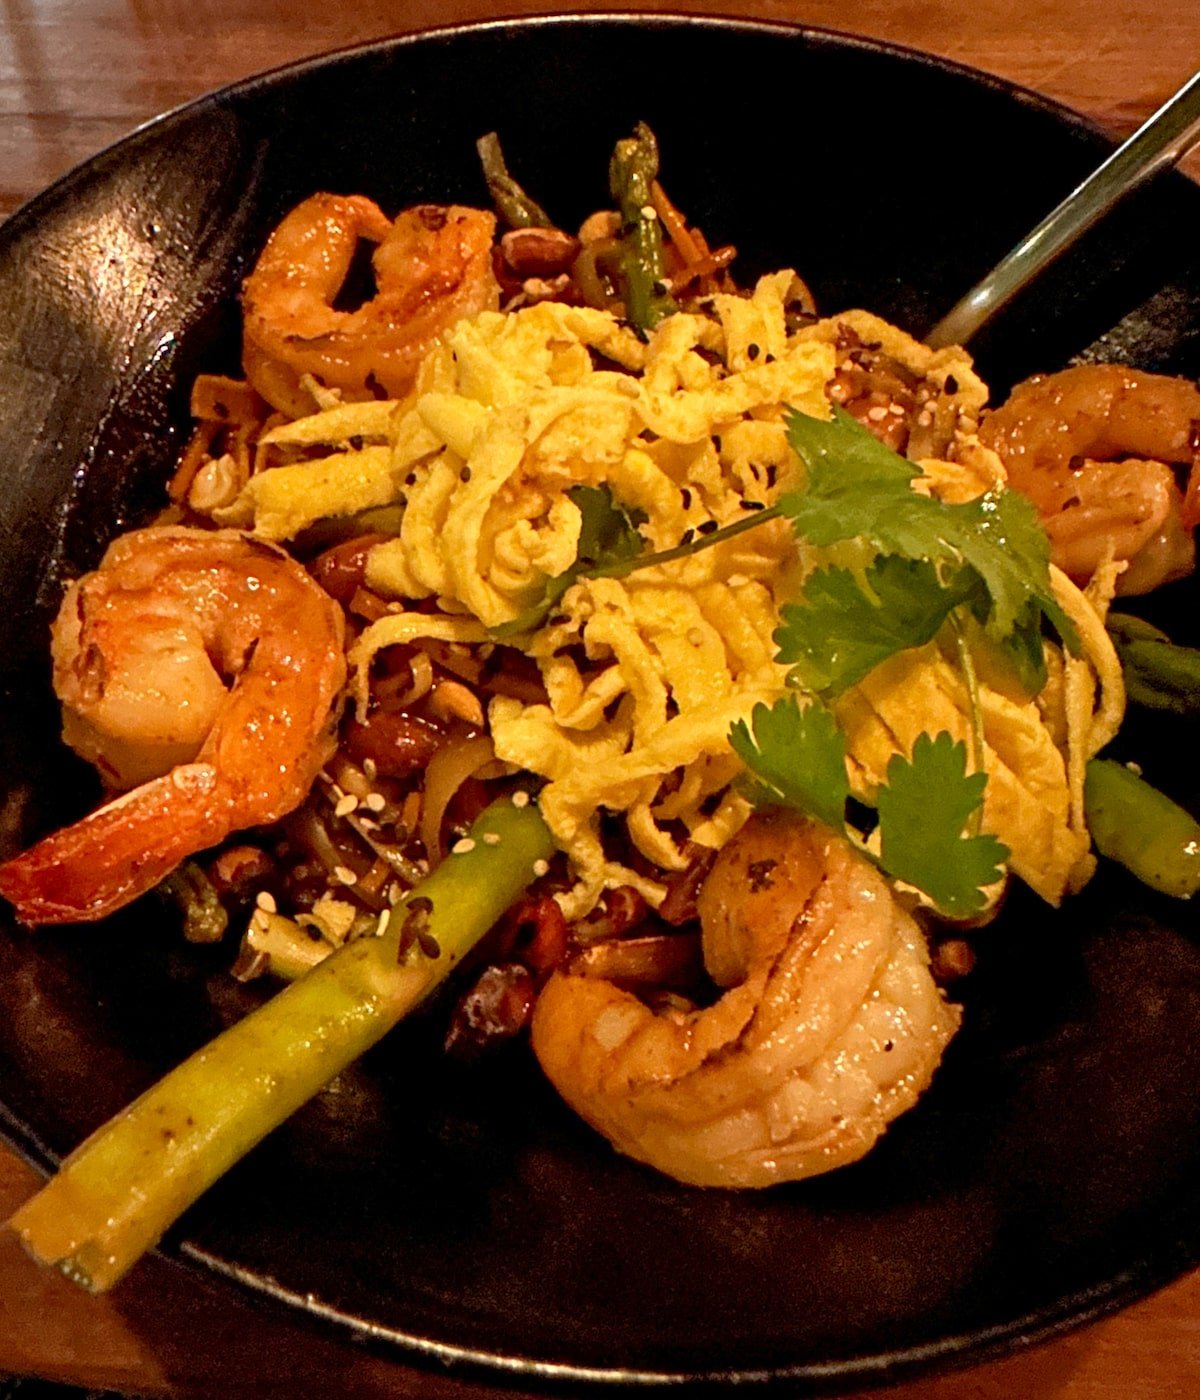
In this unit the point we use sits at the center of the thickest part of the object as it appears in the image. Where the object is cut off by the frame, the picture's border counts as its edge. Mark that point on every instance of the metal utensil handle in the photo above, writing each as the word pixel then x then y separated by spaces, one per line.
pixel 1158 143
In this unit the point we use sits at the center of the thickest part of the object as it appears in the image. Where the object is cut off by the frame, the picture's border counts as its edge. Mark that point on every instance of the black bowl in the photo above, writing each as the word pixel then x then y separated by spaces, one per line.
pixel 466 1218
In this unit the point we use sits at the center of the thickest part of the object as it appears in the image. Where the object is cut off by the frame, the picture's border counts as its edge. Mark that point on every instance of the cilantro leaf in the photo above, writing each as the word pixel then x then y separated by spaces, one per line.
pixel 923 812
pixel 845 625
pixel 607 535
pixel 797 757
pixel 859 488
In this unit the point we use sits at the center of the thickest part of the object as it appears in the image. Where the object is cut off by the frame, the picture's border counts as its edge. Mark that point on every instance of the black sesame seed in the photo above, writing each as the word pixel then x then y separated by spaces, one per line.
pixel 753 505
pixel 752 351
pixel 465 474
pixel 688 536
pixel 706 527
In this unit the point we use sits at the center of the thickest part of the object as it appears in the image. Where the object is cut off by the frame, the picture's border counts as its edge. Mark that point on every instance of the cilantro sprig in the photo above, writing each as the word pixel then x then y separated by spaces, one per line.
pixel 992 550
pixel 844 624
pixel 926 809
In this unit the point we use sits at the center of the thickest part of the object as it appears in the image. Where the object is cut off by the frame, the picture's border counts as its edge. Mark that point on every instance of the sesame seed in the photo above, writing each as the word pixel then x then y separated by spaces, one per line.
pixel 752 351
pixel 465 474
pixel 460 848
pixel 375 801
pixel 344 875
pixel 649 211
pixel 520 798
pixel 265 901
pixel 925 418
pixel 706 527
pixel 370 769
pixel 876 414
pixel 541 867
pixel 753 505
pixel 367 824
pixel 394 895
pixel 491 838
pixel 688 536
pixel 384 919
pixel 346 805
pixel 896 409
pixel 429 945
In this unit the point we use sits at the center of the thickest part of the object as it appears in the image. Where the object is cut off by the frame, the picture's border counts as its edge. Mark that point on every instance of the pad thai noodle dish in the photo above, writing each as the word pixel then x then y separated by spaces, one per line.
pixel 686 671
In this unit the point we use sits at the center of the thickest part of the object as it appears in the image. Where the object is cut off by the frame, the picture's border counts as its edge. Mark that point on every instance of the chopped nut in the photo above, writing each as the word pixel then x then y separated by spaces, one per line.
pixel 539 252
pixel 452 700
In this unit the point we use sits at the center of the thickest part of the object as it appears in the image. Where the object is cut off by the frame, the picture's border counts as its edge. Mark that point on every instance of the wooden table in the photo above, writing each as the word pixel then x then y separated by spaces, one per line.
pixel 77 74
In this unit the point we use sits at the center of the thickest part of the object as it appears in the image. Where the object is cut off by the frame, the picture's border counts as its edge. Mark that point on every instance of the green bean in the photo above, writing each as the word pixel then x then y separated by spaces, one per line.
pixel 116 1194
pixel 1136 825
pixel 1158 674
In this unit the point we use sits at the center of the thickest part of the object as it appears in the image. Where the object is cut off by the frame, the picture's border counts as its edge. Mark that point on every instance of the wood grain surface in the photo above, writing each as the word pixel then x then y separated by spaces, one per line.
pixel 78 74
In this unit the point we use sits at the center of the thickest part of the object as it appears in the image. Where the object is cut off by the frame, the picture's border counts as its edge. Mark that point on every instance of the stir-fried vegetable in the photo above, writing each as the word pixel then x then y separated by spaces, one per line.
pixel 1158 674
pixel 115 1196
pixel 1135 824
pixel 516 207
pixel 631 173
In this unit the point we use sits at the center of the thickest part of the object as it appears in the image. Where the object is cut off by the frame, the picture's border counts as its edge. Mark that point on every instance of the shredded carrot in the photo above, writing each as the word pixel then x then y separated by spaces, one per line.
pixel 195 454
pixel 708 266
pixel 673 221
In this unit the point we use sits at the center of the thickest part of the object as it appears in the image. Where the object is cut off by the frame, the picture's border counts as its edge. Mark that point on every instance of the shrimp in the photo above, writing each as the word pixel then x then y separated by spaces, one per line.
pixel 433 267
pixel 830 1027
pixel 143 649
pixel 1093 448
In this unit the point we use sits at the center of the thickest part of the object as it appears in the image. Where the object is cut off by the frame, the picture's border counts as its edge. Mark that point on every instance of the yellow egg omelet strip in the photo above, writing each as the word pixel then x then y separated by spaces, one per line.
pixel 645 675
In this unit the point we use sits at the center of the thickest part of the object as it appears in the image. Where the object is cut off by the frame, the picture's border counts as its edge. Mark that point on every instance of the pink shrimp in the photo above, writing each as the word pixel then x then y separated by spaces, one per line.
pixel 830 1027
pixel 433 267
pixel 1093 448
pixel 144 648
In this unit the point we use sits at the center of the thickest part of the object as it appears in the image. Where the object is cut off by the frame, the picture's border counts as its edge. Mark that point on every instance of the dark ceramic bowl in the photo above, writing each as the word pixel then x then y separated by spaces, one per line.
pixel 466 1218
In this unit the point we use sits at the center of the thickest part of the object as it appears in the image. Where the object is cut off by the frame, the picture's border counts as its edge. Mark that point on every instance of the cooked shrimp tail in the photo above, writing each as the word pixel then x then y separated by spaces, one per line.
pixel 144 648
pixel 1094 448
pixel 433 266
pixel 830 1027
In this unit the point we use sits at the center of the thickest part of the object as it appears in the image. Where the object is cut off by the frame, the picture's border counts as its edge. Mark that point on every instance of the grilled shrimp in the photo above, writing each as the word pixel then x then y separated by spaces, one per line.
pixel 1093 448
pixel 143 650
pixel 831 1025
pixel 433 267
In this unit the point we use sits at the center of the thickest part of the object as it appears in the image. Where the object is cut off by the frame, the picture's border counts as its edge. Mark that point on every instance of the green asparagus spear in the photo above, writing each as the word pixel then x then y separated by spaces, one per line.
pixel 1135 824
pixel 515 207
pixel 117 1193
pixel 1158 674
pixel 631 172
